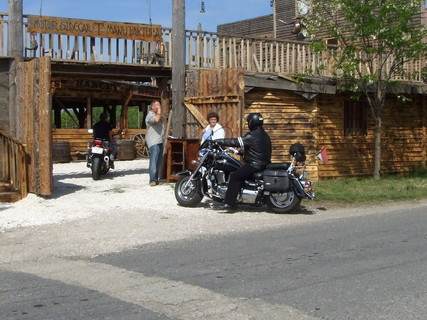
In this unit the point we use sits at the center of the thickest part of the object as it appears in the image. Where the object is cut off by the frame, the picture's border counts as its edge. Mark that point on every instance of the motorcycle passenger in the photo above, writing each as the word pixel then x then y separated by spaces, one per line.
pixel 256 146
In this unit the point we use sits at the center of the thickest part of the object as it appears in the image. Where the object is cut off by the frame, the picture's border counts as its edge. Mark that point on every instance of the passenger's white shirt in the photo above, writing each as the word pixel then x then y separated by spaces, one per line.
pixel 218 132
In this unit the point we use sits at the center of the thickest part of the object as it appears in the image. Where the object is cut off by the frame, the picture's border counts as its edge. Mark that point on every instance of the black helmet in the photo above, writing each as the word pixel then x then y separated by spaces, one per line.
pixel 255 120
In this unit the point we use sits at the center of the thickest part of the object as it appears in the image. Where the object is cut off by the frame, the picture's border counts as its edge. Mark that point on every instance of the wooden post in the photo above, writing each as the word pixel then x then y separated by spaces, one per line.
pixel 124 118
pixel 15 48
pixel 88 112
pixel 57 115
pixel 178 66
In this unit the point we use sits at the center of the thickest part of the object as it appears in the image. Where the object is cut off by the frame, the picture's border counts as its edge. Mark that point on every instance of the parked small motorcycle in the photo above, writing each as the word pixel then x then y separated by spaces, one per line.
pixel 100 158
pixel 279 186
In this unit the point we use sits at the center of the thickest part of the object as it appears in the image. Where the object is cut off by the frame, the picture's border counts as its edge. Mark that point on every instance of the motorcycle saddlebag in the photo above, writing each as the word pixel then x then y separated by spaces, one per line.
pixel 276 180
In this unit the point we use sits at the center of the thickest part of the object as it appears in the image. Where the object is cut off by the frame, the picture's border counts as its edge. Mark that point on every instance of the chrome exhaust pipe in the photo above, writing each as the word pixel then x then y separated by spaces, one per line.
pixel 106 158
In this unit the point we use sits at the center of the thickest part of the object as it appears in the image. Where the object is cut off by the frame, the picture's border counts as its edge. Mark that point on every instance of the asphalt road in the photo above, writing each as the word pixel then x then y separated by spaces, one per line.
pixel 370 266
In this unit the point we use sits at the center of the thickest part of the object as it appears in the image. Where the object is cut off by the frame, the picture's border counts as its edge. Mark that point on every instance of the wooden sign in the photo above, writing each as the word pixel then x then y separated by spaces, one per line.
pixel 94 28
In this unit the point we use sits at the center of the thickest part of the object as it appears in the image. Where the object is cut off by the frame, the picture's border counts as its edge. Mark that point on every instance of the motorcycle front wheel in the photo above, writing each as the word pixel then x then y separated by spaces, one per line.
pixel 283 202
pixel 187 195
pixel 96 168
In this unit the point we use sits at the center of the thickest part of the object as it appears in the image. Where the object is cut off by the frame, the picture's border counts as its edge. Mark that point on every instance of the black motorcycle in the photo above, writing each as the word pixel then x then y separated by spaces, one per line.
pixel 279 185
pixel 100 158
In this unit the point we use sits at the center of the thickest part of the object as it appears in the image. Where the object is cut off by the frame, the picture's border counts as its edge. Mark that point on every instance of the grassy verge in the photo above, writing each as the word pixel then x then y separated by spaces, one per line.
pixel 360 190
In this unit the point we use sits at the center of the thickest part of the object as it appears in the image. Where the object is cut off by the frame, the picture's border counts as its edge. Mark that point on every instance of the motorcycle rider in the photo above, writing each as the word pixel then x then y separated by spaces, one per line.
pixel 103 130
pixel 256 146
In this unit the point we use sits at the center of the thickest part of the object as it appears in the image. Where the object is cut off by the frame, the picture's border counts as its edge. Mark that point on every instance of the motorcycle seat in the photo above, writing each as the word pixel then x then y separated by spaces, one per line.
pixel 257 175
pixel 278 166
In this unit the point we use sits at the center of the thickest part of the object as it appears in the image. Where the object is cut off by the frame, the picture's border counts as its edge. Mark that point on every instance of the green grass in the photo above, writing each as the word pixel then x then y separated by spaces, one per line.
pixel 362 190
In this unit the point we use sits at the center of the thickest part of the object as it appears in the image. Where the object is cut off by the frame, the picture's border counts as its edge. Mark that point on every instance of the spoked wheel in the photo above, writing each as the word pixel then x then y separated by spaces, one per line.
pixel 283 202
pixel 187 194
pixel 141 148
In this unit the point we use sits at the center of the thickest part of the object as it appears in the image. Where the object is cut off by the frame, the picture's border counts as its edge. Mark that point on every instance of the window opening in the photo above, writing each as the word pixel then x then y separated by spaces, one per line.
pixel 355 118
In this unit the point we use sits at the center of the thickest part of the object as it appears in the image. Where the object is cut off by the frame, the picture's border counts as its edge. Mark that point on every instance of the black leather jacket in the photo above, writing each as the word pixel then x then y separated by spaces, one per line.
pixel 256 145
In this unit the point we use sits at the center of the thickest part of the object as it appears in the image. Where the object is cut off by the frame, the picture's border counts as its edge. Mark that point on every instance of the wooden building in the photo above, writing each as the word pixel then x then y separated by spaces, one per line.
pixel 315 114
pixel 234 76
pixel 286 23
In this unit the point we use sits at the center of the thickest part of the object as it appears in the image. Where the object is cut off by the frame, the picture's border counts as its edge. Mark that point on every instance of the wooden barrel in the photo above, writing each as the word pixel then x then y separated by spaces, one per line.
pixel 125 149
pixel 61 151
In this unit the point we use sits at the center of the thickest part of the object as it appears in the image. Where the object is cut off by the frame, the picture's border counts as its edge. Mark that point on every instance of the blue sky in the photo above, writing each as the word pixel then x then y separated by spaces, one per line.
pixel 138 11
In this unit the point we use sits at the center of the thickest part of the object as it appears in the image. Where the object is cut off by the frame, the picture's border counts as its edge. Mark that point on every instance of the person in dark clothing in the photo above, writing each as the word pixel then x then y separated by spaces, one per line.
pixel 257 154
pixel 102 129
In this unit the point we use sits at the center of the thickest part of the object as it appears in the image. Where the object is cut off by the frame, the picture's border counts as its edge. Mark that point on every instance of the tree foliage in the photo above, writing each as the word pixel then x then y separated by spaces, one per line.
pixel 377 40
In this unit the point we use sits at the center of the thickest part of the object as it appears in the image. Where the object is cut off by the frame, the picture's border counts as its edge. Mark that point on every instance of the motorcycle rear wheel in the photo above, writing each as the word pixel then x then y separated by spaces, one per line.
pixel 189 196
pixel 96 168
pixel 283 202
pixel 105 168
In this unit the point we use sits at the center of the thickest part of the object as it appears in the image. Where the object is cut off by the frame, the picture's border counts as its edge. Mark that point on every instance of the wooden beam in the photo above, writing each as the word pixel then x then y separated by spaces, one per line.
pixel 15 34
pixel 212 99
pixel 252 81
pixel 124 115
pixel 15 50
pixel 88 112
pixel 94 28
pixel 44 165
pixel 67 112
pixel 199 117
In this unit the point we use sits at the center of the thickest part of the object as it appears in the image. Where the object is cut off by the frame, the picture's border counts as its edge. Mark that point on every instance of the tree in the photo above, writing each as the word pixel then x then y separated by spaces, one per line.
pixel 376 41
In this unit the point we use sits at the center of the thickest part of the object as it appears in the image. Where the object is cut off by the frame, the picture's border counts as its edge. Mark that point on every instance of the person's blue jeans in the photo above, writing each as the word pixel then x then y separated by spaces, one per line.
pixel 156 155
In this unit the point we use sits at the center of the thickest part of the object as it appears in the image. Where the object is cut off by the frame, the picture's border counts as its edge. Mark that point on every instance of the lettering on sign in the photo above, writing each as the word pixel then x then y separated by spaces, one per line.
pixel 94 28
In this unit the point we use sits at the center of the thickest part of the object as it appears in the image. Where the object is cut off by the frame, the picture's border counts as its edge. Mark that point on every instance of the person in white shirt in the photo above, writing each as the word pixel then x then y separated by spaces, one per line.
pixel 213 129
pixel 154 139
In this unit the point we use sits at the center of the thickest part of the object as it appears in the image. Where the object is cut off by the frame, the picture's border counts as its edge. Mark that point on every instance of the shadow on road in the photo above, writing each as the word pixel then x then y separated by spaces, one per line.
pixel 209 204
pixel 62 188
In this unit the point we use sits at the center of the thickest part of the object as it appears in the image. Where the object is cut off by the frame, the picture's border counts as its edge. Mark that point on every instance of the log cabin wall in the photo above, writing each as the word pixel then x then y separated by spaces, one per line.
pixel 285 11
pixel 403 138
pixel 348 156
pixel 218 90
pixel 263 26
pixel 288 118
pixel 256 27
pixel 418 20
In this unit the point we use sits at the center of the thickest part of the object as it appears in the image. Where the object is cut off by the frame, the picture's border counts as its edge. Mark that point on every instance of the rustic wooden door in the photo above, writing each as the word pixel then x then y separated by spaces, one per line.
pixel 219 90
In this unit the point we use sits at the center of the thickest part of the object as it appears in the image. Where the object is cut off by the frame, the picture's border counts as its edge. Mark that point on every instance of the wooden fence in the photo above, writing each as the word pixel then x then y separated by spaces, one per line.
pixel 205 50
pixel 14 184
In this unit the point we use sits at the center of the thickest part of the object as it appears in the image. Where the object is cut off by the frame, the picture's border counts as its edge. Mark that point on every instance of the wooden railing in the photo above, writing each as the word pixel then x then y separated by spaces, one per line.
pixel 13 166
pixel 206 50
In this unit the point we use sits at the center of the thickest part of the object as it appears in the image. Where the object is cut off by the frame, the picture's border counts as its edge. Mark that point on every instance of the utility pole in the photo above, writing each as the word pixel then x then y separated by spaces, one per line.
pixel 14 50
pixel 178 67
pixel 273 4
